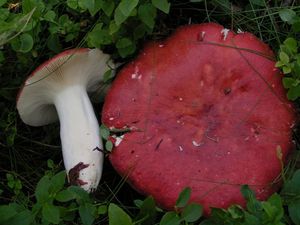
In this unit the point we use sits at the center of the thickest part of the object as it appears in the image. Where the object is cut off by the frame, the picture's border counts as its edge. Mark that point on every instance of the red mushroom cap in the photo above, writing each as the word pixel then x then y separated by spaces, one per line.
pixel 206 110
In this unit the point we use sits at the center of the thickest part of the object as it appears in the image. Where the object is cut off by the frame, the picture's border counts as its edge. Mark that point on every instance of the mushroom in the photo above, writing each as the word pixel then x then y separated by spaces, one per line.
pixel 58 89
pixel 206 109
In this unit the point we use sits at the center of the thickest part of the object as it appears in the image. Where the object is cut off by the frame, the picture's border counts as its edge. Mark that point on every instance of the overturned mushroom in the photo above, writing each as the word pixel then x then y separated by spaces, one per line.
pixel 208 111
pixel 58 89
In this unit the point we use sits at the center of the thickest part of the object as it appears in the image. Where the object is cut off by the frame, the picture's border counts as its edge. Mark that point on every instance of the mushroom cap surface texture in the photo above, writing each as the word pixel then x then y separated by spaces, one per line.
pixel 75 67
pixel 206 110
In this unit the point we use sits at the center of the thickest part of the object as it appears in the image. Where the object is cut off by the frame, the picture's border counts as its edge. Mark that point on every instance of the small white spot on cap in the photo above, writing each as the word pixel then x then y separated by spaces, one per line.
pixel 196 144
pixel 225 32
pixel 180 148
pixel 111 118
pixel 119 140
pixel 161 45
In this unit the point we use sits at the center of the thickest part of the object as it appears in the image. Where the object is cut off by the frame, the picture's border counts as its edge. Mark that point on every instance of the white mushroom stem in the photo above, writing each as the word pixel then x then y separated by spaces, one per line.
pixel 80 137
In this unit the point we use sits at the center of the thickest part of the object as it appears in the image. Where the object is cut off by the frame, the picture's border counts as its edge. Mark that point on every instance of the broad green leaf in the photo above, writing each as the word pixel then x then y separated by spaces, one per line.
pixel 80 194
pixel 293 93
pixel 23 43
pixel 125 47
pixel 192 212
pixel 292 186
pixel 50 16
pixel 147 211
pixel 6 212
pixel 108 7
pixel 284 58
pixel 184 197
pixel 57 182
pixel 287 15
pixel 102 209
pixel 288 82
pixel 291 44
pixel 147 14
pixel 253 205
pixel 118 216
pixel 87 213
pixel 73 4
pixel 170 218
pixel 42 189
pixel 119 16
pixel 97 7
pixel 87 4
pixel 162 5
pixel 51 213
pixel 294 211
pixel 65 196
pixel 113 27
pixel 22 218
pixel 127 6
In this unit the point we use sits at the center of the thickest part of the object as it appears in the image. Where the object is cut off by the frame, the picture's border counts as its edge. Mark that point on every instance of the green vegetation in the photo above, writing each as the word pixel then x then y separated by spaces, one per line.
pixel 32 188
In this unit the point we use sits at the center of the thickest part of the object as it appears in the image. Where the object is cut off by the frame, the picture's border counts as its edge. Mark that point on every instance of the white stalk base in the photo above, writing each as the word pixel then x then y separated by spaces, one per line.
pixel 80 138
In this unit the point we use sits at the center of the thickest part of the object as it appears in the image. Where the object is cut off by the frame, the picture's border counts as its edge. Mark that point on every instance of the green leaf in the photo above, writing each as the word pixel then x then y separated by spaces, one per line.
pixel 6 212
pixel 117 216
pixel 293 93
pixel 293 209
pixel 73 4
pixel 102 209
pixel 291 44
pixel 147 212
pixel 42 189
pixel 107 77
pixel 65 196
pixel 23 43
pixel 99 36
pixel 104 131
pixel 22 218
pixel 108 7
pixel 87 213
pixel 147 14
pixel 170 218
pixel 192 212
pixel 184 197
pixel 292 186
pixel 119 16
pixel 109 146
pixel 127 6
pixel 50 16
pixel 57 182
pixel 125 47
pixel 51 213
pixel 284 58
pixel 288 82
pixel 162 5
pixel 80 194
pixel 287 15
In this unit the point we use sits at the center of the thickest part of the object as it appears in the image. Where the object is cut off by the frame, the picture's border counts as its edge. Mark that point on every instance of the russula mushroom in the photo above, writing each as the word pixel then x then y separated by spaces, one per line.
pixel 206 110
pixel 58 89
